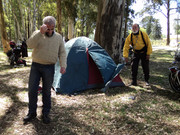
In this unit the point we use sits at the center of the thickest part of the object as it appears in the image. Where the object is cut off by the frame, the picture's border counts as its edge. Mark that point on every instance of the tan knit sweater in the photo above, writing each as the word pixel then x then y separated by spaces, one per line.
pixel 46 50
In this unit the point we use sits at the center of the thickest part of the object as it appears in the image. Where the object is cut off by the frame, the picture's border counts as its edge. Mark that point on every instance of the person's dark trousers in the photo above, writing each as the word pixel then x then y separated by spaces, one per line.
pixel 144 63
pixel 46 72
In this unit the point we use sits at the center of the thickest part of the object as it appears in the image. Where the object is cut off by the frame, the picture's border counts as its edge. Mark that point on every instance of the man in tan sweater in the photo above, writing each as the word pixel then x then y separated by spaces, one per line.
pixel 47 46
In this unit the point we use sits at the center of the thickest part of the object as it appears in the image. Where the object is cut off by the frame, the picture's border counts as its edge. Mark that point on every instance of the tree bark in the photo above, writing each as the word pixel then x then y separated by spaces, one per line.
pixel 109 30
pixel 98 22
pixel 34 15
pixel 30 29
pixel 168 22
pixel 70 28
pixel 125 26
pixel 4 37
pixel 18 31
pixel 22 20
pixel 59 16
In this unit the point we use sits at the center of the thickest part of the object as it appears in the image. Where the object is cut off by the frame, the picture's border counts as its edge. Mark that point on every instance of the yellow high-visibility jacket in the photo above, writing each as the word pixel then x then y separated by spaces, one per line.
pixel 138 43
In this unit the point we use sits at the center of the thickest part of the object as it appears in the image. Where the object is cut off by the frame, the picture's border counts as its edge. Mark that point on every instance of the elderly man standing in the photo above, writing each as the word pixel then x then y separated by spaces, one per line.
pixel 142 49
pixel 47 46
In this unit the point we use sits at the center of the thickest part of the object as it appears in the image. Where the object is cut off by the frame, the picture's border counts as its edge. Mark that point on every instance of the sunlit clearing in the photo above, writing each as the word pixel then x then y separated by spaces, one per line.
pixel 14 70
pixel 23 96
pixel 2 59
pixel 5 103
pixel 125 99
pixel 17 82
pixel 16 127
pixel 68 101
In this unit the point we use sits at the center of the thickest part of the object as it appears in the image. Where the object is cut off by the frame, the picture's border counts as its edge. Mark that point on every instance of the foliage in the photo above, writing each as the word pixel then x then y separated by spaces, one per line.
pixel 23 17
pixel 154 6
pixel 86 18
pixel 128 16
pixel 177 26
pixel 161 42
pixel 147 22
pixel 48 9
pixel 156 31
pixel 153 27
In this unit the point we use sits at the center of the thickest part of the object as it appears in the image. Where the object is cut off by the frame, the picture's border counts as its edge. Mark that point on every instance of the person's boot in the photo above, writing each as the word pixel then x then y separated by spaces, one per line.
pixel 147 83
pixel 29 117
pixel 46 119
pixel 134 83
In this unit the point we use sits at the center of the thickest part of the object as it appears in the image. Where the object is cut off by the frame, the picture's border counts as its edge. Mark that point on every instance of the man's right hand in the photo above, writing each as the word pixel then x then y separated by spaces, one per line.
pixel 43 29
pixel 126 60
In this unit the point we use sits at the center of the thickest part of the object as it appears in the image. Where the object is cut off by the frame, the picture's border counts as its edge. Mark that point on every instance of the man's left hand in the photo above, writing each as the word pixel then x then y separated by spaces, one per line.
pixel 147 57
pixel 62 70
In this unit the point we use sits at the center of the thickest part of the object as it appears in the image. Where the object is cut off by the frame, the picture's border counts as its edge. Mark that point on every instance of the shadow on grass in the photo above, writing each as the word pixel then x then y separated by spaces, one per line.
pixel 7 67
pixel 64 121
pixel 63 118
pixel 11 113
pixel 130 118
pixel 119 90
pixel 166 93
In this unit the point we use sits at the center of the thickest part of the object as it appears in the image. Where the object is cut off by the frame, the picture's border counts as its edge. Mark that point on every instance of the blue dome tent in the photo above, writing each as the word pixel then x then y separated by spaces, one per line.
pixel 88 66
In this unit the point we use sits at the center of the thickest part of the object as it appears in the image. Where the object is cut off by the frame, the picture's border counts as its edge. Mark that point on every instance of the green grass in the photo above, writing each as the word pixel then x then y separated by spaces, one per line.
pixel 154 111
pixel 158 42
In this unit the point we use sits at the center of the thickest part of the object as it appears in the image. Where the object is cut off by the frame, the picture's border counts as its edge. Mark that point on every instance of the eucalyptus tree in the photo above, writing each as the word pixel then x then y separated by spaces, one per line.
pixel 86 17
pixel 8 14
pixel 69 13
pixel 177 27
pixel 128 15
pixel 3 32
pixel 152 27
pixel 109 26
pixel 19 28
pixel 59 15
pixel 156 30
pixel 154 6
pixel 79 17
pixel 147 23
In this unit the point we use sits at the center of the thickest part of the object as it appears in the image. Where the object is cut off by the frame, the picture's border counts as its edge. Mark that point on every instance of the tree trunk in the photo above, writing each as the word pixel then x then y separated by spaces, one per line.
pixel 168 23
pixel 59 16
pixel 34 15
pixel 4 37
pixel 110 27
pixel 125 26
pixel 87 29
pixel 22 20
pixel 98 22
pixel 18 30
pixel 70 28
pixel 30 30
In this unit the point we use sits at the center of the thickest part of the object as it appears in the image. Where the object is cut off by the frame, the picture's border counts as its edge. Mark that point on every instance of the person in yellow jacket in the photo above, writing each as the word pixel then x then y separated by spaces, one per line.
pixel 142 49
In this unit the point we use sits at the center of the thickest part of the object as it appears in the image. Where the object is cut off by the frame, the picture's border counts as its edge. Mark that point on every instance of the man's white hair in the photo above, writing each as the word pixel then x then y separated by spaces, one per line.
pixel 49 20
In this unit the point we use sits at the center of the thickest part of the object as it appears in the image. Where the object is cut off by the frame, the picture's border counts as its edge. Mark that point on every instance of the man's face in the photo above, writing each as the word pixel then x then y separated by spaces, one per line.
pixel 135 28
pixel 50 30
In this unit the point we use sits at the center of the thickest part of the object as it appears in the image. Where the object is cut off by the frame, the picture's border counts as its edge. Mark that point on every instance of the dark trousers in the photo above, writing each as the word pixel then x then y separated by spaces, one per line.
pixel 144 63
pixel 46 72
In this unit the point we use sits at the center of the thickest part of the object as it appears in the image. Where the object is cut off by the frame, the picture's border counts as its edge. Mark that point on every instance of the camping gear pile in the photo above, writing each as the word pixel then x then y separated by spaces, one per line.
pixel 88 66
pixel 16 53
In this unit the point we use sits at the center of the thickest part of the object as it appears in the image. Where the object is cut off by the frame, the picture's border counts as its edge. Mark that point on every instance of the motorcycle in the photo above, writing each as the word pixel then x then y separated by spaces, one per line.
pixel 15 55
pixel 174 75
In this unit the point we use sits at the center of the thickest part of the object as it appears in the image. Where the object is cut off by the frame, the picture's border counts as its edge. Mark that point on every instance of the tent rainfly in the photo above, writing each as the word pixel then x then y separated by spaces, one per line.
pixel 88 66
